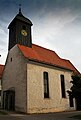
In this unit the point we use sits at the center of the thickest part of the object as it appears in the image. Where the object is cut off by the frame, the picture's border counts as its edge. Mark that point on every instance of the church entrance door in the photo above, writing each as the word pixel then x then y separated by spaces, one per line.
pixel 9 100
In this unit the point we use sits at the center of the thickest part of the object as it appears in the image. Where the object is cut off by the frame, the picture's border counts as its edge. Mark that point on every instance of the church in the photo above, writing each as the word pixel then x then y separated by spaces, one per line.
pixel 35 79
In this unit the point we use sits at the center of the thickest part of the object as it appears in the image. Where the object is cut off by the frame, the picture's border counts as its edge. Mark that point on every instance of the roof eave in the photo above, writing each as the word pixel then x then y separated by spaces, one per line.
pixel 42 62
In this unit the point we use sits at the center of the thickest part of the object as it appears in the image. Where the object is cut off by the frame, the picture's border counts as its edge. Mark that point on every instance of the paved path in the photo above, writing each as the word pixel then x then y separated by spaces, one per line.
pixel 49 116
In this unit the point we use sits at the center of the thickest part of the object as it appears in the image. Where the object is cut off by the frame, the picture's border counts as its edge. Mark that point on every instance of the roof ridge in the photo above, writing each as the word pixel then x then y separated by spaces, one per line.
pixel 74 66
pixel 41 47
pixel 65 59
pixel 71 64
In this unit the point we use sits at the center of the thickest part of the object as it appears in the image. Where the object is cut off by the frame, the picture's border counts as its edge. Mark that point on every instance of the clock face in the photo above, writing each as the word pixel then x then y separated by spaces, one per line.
pixel 23 32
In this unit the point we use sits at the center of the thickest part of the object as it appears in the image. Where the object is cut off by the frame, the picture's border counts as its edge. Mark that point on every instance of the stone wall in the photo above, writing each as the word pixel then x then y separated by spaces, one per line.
pixel 35 89
pixel 14 78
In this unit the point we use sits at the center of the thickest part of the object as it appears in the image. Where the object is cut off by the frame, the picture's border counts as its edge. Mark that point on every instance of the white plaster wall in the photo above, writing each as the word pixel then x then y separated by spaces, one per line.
pixel 14 77
pixel 35 90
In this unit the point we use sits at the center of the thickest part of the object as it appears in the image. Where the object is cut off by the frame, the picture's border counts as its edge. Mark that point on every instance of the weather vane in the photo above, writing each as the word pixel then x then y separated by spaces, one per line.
pixel 20 9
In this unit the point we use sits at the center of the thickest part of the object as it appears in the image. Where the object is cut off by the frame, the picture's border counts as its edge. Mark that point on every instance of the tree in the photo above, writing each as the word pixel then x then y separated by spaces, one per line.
pixel 75 90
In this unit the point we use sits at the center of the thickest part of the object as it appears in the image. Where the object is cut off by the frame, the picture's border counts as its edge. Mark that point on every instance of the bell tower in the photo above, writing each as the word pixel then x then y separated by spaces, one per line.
pixel 20 31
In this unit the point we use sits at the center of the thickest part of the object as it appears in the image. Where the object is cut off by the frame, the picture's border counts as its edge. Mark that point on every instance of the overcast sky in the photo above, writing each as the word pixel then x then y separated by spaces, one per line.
pixel 56 26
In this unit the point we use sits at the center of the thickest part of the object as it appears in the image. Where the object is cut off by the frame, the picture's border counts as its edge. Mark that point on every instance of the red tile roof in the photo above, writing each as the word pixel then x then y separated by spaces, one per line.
pixel 1 70
pixel 46 56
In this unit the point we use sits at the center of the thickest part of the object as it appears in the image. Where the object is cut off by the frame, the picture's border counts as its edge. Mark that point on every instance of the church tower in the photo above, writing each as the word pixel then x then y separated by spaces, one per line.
pixel 20 31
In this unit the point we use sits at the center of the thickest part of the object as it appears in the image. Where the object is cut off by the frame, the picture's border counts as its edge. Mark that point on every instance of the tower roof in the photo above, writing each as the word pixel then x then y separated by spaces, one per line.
pixel 20 17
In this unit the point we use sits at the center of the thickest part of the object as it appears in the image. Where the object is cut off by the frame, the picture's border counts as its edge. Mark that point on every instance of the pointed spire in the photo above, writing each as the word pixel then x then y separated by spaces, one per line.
pixel 20 9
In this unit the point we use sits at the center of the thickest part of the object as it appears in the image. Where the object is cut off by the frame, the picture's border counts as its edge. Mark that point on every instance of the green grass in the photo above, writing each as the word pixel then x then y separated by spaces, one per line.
pixel 3 113
pixel 76 117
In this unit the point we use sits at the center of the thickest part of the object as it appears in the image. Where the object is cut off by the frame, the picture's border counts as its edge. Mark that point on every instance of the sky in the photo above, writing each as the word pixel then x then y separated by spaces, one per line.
pixel 56 26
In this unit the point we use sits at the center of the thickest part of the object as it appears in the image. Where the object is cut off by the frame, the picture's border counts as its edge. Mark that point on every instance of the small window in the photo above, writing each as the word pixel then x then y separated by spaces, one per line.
pixel 0 92
pixel 46 85
pixel 24 27
pixel 11 59
pixel 62 86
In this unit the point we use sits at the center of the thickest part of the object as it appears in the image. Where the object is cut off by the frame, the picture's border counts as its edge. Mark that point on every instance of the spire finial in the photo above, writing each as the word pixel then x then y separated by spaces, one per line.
pixel 20 9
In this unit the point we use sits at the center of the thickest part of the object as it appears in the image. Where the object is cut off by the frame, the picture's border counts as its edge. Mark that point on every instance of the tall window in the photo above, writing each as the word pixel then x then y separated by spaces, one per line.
pixel 46 85
pixel 62 86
